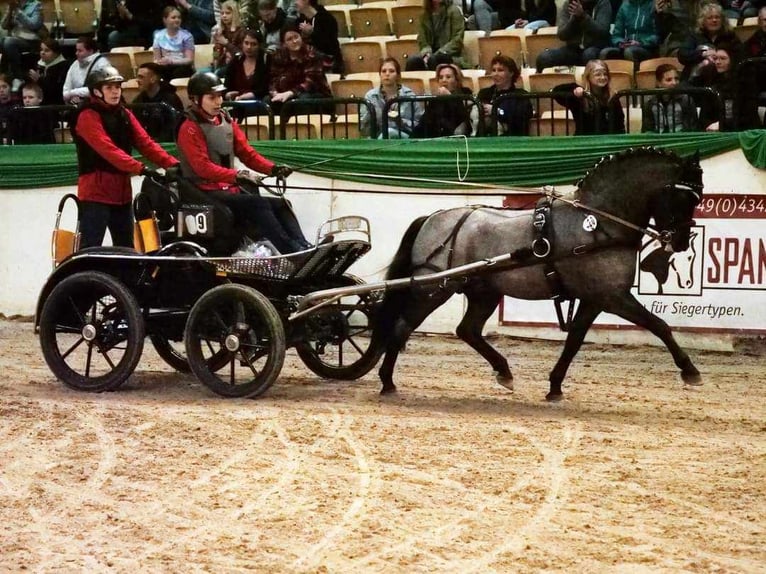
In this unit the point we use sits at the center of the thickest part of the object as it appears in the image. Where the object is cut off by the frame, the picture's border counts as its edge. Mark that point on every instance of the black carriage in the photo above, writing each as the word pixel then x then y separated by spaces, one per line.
pixel 227 319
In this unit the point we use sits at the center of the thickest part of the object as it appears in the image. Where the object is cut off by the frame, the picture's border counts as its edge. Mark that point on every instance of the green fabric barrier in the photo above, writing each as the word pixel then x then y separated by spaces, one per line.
pixel 497 161
pixel 753 143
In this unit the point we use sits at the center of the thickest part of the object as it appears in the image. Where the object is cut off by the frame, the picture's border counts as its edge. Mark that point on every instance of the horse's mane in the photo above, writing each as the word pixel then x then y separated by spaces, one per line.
pixel 630 153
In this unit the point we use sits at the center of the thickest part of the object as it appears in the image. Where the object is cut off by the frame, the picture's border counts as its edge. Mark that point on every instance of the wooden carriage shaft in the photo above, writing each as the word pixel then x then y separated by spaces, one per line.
pixel 317 299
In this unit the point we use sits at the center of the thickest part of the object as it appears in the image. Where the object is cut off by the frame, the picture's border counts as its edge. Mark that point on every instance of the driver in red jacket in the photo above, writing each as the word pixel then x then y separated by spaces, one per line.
pixel 208 142
pixel 105 134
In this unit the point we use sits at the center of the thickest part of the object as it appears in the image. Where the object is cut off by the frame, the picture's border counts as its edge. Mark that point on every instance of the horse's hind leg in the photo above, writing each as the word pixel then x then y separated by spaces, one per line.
pixel 481 304
pixel 586 313
pixel 631 310
pixel 414 310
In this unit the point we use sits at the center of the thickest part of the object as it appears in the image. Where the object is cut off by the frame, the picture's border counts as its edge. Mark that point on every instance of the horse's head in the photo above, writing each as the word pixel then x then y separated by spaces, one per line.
pixel 673 211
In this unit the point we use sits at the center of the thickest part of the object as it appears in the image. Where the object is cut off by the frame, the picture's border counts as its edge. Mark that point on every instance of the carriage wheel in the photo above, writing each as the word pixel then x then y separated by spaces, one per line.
pixel 243 325
pixel 341 343
pixel 91 332
pixel 174 354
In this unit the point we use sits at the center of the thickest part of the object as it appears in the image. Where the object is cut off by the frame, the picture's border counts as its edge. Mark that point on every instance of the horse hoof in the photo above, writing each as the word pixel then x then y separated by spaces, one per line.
pixel 692 379
pixel 505 380
pixel 388 390
pixel 554 397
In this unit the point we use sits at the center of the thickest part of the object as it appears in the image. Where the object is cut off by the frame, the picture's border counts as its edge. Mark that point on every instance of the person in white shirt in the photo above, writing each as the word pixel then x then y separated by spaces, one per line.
pixel 88 60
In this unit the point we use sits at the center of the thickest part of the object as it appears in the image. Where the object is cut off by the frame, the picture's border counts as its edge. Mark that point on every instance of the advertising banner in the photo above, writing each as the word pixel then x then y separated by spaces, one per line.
pixel 718 284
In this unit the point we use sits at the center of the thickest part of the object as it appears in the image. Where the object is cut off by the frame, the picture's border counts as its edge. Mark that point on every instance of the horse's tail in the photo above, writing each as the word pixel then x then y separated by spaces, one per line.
pixel 395 300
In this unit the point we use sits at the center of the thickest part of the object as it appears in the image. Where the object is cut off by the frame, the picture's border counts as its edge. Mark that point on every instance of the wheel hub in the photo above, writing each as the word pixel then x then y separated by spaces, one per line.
pixel 89 332
pixel 231 343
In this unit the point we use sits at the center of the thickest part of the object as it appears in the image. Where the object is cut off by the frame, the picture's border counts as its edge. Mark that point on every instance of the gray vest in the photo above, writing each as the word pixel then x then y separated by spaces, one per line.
pixel 220 145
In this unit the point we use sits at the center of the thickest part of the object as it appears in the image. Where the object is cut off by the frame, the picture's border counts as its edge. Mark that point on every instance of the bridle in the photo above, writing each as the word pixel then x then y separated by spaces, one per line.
pixel 664 236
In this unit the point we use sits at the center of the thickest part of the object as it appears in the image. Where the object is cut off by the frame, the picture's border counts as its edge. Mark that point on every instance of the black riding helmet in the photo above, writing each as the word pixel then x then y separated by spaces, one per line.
pixel 105 75
pixel 203 83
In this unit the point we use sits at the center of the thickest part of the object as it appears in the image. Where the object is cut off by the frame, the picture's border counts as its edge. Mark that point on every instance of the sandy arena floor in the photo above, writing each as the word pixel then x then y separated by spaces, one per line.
pixel 631 473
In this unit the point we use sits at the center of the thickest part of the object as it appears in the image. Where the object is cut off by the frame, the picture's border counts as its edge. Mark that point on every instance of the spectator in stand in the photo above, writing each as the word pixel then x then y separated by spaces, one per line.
pixel 272 19
pixel 512 114
pixel 537 14
pixel 320 29
pixel 755 47
pixel 289 8
pixel 584 26
pixel 32 124
pixel 491 15
pixel 88 60
pixel 131 22
pixel 158 122
pixel 227 36
pixel 712 31
pixel 296 72
pixel 635 33
pixel 740 9
pixel 51 72
pixel 7 102
pixel 675 21
pixel 198 18
pixel 105 133
pixel 589 103
pixel 24 22
pixel 669 113
pixel 173 46
pixel 440 36
pixel 738 97
pixel 402 116
pixel 247 76
pixel 448 116
pixel 248 12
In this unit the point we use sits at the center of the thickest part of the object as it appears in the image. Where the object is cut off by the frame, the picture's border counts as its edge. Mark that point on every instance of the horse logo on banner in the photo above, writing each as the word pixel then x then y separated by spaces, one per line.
pixel 669 273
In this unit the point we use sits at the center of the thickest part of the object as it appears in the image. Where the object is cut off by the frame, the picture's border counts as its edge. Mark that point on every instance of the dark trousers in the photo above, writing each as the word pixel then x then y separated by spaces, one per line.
pixel 566 56
pixel 269 217
pixel 96 218
pixel 416 62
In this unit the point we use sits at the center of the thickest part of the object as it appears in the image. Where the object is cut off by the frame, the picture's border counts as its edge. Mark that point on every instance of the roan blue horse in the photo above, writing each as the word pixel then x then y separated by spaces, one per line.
pixel 591 238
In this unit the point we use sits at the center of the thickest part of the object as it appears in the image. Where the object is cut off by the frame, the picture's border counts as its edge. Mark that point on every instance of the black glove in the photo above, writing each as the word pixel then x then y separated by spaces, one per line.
pixel 152 174
pixel 247 179
pixel 281 171
pixel 172 172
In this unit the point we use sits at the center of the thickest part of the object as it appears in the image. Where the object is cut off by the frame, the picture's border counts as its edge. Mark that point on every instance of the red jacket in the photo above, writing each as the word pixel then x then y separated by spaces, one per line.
pixel 110 187
pixel 192 143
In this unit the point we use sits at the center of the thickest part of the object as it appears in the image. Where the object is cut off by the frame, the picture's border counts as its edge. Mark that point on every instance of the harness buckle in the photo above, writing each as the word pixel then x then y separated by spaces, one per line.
pixel 541 247
pixel 538 222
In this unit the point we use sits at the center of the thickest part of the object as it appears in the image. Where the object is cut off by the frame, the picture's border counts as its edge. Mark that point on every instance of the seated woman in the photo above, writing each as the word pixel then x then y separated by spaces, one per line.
pixel 402 116
pixel 448 116
pixel 208 141
pixel 227 37
pixel 513 114
pixel 247 75
pixel 51 72
pixel 670 113
pixel 712 30
pixel 739 106
pixel 296 72
pixel 23 20
pixel 173 47
pixel 589 103
pixel 440 36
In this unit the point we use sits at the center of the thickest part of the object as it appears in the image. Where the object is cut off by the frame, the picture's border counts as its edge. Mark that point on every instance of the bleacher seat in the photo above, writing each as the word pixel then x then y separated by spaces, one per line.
pixel 123 61
pixel 340 13
pixel 369 22
pixel 78 17
pixel 545 82
pixel 507 45
pixel 203 56
pixel 180 85
pixel 401 49
pixel 535 44
pixel 362 56
pixel 142 57
pixel 130 89
pixel 551 126
pixel 344 127
pixel 417 85
pixel 406 19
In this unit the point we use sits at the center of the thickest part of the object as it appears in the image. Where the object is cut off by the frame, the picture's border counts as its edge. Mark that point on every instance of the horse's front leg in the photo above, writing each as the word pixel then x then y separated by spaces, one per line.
pixel 481 305
pixel 587 311
pixel 631 310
